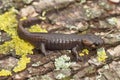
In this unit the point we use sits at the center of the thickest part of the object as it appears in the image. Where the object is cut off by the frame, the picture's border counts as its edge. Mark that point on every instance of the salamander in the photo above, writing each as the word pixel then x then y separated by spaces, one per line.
pixel 57 41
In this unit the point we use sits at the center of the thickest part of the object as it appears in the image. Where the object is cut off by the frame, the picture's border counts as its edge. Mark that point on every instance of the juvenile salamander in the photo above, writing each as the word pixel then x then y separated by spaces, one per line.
pixel 57 41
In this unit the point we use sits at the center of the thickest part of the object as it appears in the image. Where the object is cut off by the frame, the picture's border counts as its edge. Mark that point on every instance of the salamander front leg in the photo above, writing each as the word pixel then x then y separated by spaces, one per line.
pixel 75 52
pixel 43 50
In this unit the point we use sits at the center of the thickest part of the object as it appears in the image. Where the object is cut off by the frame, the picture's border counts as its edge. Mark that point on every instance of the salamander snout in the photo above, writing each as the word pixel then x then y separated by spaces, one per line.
pixel 93 41
pixel 98 42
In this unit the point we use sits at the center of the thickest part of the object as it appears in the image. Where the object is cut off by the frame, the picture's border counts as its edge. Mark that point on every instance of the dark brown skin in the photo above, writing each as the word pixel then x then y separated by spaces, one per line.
pixel 57 41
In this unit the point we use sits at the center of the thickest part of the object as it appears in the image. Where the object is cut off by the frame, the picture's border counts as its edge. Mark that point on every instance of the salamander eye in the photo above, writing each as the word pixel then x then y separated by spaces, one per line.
pixel 96 44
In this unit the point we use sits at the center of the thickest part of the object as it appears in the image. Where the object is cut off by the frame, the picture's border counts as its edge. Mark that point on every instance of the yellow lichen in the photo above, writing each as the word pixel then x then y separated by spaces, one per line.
pixel 101 55
pixel 5 73
pixel 37 28
pixel 8 22
pixel 81 54
pixel 21 47
pixel 6 47
pixel 84 52
pixel 9 25
pixel 22 63
pixel 23 18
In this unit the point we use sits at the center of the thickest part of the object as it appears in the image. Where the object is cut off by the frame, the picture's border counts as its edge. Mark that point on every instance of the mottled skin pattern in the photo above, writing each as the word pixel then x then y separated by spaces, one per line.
pixel 57 41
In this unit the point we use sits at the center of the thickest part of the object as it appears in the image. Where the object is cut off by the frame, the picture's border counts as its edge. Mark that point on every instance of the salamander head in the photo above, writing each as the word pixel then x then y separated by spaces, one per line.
pixel 92 41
